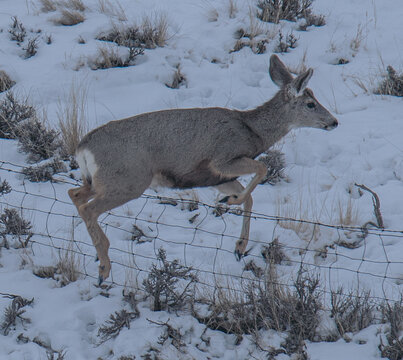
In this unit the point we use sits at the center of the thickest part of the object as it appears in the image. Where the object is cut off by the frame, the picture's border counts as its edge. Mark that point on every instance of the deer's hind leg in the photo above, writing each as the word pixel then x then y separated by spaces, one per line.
pixel 107 198
pixel 231 188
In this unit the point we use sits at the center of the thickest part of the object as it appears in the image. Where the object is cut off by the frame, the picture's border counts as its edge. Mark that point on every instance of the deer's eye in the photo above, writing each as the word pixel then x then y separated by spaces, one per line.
pixel 311 105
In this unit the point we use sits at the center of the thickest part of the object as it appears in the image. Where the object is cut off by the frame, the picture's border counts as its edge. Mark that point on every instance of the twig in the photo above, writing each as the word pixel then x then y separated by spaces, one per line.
pixel 377 206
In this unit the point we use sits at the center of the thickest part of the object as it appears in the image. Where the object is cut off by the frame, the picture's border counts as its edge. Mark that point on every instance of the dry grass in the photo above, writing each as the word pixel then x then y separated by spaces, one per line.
pixel 48 5
pixel 69 18
pixel 347 213
pixel 110 57
pixel 356 42
pixel 73 5
pixel 72 117
pixel 232 9
pixel 392 83
pixel 295 212
pixel 5 81
pixel 113 9
pixel 68 266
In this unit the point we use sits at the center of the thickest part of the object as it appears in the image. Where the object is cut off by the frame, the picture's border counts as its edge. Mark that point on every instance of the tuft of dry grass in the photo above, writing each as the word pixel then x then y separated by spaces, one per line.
pixel 73 4
pixel 5 81
pixel 232 9
pixel 113 9
pixel 109 57
pixel 392 83
pixel 67 267
pixel 69 18
pixel 177 80
pixel 72 119
pixel 151 33
pixel 347 213
pixel 48 5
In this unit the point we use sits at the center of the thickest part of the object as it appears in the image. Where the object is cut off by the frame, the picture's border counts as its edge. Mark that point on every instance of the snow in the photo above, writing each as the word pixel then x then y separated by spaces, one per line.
pixel 322 170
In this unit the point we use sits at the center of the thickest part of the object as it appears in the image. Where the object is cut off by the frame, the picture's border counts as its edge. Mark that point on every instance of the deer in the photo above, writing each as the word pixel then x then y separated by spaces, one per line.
pixel 189 148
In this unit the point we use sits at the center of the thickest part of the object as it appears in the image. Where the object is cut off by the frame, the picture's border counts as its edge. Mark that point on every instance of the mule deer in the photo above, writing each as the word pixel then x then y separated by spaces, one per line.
pixel 186 148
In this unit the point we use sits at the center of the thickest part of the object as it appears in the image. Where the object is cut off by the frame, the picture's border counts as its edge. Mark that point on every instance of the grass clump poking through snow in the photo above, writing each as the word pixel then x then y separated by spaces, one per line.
pixel 392 346
pixel 178 79
pixel 292 10
pixel 392 83
pixel 110 57
pixel 6 82
pixel 151 33
pixel 17 30
pixel 352 312
pixel 69 18
pixel 169 283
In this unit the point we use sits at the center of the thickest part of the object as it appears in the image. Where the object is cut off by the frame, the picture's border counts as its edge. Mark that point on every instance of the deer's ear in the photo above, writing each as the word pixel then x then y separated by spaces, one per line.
pixel 279 73
pixel 300 82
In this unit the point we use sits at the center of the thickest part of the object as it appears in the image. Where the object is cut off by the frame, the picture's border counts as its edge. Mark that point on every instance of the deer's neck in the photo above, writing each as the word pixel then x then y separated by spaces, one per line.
pixel 269 121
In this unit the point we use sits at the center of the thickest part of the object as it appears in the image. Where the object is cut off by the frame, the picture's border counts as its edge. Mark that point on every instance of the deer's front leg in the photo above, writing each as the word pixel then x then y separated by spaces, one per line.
pixel 238 167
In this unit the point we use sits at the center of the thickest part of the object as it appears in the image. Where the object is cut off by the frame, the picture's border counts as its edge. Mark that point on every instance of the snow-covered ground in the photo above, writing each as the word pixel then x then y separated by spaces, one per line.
pixel 322 169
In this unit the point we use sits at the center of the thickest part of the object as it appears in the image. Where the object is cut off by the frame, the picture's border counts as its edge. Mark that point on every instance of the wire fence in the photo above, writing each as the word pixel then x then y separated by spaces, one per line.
pixel 205 241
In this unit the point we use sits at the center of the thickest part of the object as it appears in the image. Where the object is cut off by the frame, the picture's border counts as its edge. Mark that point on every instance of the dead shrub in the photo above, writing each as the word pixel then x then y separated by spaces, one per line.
pixel 31 48
pixel 285 43
pixel 12 112
pixel 5 82
pixel 116 323
pixel 352 312
pixel 44 172
pixel 69 18
pixel 169 283
pixel 71 114
pixel 36 140
pixel 14 312
pixel 393 314
pixel 5 188
pixel 275 10
pixel 264 304
pixel 152 32
pixel 392 83
pixel 273 253
pixel 13 224
pixel 109 57
pixel 275 163
pixel 17 30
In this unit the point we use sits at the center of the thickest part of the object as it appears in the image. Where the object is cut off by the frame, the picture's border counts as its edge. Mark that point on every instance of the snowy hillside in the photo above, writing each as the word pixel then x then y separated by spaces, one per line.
pixel 323 275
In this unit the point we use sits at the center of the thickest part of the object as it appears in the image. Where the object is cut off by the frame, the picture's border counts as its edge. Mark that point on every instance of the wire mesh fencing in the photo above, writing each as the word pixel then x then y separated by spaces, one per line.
pixel 203 236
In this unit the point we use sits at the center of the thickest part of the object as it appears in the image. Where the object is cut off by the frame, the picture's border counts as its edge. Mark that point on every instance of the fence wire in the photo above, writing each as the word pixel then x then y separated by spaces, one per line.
pixel 55 208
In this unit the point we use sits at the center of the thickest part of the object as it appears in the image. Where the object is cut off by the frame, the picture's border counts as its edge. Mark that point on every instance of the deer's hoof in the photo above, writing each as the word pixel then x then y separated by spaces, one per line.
pixel 96 258
pixel 100 280
pixel 238 255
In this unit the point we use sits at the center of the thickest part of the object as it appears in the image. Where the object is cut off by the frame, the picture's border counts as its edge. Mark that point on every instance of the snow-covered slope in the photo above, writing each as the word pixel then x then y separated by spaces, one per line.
pixel 322 169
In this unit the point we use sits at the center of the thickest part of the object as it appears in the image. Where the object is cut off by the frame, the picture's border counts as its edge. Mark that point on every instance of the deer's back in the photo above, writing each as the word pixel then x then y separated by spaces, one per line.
pixel 183 145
